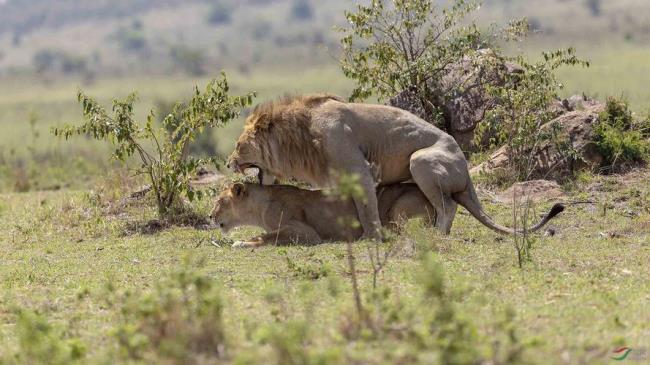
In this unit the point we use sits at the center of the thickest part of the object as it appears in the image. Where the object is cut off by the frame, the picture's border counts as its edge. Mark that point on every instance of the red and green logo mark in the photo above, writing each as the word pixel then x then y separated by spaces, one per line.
pixel 621 353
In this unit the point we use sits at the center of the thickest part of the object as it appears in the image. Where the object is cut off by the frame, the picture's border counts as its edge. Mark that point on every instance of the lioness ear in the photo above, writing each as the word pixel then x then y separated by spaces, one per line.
pixel 238 190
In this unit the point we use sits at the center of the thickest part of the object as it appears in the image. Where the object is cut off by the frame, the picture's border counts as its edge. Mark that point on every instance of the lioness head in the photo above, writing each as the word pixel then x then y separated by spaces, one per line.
pixel 229 212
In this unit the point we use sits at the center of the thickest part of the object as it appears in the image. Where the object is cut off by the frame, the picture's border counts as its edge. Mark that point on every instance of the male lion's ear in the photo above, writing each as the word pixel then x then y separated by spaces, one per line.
pixel 263 122
pixel 238 190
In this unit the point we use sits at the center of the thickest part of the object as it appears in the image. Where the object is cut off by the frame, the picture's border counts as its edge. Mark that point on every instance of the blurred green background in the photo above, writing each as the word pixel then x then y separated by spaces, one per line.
pixel 163 48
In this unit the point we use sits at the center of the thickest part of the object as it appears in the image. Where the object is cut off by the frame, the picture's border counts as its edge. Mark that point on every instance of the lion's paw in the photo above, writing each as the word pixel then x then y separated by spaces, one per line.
pixel 239 244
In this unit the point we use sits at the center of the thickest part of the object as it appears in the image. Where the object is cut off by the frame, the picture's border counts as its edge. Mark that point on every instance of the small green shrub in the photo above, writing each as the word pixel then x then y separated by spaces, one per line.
pixel 619 137
pixel 522 109
pixel 643 125
pixel 397 45
pixel 169 167
pixel 203 146
pixel 42 343
pixel 180 320
pixel 310 269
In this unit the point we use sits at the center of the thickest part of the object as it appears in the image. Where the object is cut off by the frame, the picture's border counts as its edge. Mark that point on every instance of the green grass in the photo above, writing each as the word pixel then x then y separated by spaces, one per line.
pixel 616 70
pixel 585 293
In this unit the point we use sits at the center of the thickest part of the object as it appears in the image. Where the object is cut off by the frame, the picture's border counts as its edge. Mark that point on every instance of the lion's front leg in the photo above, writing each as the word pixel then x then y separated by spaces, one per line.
pixel 368 209
pixel 355 163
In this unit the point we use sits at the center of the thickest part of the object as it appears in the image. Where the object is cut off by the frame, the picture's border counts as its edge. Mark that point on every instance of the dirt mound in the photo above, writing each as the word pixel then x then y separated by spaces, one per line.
pixel 576 118
pixel 535 190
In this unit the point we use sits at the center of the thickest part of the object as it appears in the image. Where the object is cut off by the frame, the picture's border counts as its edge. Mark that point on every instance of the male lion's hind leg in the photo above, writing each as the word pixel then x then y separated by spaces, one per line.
pixel 292 232
pixel 437 174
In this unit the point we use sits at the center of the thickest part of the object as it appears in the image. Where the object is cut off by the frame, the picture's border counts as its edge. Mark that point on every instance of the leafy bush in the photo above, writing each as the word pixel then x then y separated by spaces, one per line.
pixel 180 320
pixel 42 343
pixel 290 342
pixel 522 108
pixel 643 125
pixel 170 167
pixel 437 62
pixel 399 45
pixel 310 270
pixel 455 337
pixel 619 138
pixel 203 146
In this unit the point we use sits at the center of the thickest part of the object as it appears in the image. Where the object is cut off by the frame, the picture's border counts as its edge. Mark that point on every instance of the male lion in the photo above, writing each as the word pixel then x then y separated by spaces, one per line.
pixel 289 214
pixel 312 138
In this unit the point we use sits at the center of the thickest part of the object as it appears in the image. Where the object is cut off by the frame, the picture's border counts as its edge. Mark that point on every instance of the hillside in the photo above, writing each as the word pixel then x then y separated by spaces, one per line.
pixel 118 37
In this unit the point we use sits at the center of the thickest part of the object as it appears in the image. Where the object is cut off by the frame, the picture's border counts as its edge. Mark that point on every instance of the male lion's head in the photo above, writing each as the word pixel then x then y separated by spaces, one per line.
pixel 278 139
pixel 229 209
pixel 247 154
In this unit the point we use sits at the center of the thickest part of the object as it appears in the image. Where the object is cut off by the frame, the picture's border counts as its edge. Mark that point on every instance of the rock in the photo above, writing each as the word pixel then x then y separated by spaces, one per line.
pixel 580 102
pixel 534 190
pixel 461 94
pixel 577 126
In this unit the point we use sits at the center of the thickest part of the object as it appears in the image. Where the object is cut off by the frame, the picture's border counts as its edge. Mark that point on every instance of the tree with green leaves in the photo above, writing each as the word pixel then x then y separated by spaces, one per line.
pixel 521 116
pixel 439 65
pixel 396 46
pixel 162 151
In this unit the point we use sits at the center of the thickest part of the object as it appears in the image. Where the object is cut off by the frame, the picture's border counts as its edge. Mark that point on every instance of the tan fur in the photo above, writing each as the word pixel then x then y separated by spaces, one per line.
pixel 314 138
pixel 288 146
pixel 289 214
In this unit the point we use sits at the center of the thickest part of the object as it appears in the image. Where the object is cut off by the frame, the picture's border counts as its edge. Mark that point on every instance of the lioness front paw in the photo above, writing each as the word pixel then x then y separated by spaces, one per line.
pixel 245 244
pixel 239 244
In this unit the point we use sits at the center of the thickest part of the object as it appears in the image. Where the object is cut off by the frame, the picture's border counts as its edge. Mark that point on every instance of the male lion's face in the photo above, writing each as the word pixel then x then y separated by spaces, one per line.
pixel 227 209
pixel 246 155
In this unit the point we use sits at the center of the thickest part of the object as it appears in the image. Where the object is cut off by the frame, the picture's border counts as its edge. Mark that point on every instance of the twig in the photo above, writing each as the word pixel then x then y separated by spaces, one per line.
pixel 355 284
pixel 277 235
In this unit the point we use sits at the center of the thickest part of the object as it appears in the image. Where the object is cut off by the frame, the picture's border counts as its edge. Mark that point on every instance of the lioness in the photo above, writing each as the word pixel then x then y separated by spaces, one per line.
pixel 313 138
pixel 289 214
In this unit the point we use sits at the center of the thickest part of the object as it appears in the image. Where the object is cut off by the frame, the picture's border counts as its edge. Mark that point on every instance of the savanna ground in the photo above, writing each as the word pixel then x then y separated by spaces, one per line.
pixel 69 250
pixel 584 293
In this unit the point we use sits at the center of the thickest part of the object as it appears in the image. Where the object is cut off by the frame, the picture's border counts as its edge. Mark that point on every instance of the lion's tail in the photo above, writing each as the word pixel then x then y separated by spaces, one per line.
pixel 469 200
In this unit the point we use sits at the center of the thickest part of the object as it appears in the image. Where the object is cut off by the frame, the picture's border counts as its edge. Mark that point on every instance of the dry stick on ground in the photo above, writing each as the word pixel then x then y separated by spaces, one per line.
pixel 355 285
pixel 521 241
pixel 277 235
pixel 514 226
pixel 378 263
